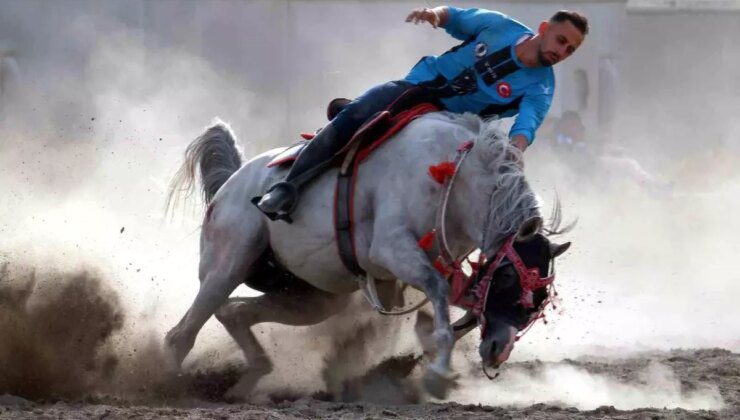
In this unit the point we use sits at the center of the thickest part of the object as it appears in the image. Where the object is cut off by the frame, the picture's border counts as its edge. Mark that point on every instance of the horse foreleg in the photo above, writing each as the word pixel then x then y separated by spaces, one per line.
pixel 398 251
pixel 303 307
pixel 424 329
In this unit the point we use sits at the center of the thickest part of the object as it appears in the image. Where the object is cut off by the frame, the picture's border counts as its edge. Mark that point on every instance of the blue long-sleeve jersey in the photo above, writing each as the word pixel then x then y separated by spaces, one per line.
pixel 526 91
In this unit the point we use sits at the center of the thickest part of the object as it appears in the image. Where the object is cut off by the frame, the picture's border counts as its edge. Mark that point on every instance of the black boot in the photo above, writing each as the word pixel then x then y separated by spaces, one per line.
pixel 282 197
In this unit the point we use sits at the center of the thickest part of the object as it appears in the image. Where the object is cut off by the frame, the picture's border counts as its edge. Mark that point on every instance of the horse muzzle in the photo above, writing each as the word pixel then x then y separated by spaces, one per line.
pixel 496 347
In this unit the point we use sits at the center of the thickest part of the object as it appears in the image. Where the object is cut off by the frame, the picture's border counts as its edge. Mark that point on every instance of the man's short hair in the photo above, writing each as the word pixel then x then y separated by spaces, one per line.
pixel 578 20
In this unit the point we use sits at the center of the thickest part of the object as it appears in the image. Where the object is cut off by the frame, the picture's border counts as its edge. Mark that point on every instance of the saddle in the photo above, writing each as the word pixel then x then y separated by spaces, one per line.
pixel 373 127
pixel 290 154
pixel 368 138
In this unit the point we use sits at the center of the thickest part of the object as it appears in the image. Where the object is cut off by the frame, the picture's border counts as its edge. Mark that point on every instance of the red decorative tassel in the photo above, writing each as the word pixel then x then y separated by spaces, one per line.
pixel 308 136
pixel 427 240
pixel 441 171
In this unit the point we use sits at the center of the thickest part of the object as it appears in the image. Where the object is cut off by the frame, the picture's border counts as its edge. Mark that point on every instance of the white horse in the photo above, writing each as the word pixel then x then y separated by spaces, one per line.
pixel 395 205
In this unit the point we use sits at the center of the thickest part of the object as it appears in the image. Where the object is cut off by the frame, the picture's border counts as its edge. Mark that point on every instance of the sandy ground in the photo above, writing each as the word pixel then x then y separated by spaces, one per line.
pixel 694 369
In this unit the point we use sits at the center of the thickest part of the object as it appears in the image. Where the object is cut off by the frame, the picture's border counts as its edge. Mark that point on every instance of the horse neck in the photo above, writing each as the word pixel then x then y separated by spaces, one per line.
pixel 468 207
pixel 485 208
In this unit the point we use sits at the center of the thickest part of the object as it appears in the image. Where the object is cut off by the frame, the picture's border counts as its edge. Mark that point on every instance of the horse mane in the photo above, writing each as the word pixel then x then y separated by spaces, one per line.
pixel 468 120
pixel 554 224
pixel 511 199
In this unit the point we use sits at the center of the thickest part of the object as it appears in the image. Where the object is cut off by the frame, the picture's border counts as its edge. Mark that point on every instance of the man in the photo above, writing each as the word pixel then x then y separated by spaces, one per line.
pixel 502 68
pixel 570 133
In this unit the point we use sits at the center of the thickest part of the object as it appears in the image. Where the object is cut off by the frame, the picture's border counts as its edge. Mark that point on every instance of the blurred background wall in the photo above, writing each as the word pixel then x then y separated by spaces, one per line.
pixel 293 56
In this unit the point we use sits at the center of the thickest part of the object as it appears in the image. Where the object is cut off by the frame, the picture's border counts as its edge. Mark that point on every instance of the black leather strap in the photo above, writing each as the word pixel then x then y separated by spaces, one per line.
pixel 491 69
pixel 343 223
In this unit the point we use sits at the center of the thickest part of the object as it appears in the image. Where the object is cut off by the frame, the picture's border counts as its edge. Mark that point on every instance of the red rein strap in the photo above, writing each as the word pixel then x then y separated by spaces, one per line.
pixel 529 277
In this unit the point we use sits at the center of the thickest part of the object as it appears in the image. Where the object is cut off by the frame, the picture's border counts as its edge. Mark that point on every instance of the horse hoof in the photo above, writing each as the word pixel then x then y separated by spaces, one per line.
pixel 246 384
pixel 170 361
pixel 176 347
pixel 439 384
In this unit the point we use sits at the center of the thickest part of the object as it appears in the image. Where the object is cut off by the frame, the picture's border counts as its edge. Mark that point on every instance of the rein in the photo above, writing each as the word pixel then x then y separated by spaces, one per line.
pixel 440 232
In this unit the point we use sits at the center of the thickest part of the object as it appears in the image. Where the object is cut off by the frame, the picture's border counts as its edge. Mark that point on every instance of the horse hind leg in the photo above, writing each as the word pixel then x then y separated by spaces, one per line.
pixel 297 305
pixel 230 245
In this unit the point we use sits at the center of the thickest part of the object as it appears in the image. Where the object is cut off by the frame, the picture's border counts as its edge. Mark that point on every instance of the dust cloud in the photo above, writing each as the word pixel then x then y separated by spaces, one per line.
pixel 89 139
pixel 569 385
pixel 56 330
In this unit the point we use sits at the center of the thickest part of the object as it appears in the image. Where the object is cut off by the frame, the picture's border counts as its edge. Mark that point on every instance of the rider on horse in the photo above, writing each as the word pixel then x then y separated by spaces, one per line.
pixel 502 68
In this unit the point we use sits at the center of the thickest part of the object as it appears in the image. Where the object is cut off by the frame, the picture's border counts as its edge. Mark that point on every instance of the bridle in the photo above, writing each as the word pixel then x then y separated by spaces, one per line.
pixel 530 281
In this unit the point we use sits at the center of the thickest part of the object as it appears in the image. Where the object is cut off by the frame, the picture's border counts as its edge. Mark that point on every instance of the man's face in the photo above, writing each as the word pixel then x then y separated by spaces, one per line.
pixel 559 41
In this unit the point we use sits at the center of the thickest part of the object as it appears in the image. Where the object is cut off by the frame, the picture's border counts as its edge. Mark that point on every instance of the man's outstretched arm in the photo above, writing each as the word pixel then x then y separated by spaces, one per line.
pixel 532 111
pixel 460 23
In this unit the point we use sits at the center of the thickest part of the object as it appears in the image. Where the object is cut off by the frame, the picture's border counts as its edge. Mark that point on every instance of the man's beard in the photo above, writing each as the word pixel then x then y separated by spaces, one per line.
pixel 542 59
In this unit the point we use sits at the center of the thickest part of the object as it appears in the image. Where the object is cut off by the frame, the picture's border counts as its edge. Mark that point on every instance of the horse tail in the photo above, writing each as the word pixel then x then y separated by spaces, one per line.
pixel 215 155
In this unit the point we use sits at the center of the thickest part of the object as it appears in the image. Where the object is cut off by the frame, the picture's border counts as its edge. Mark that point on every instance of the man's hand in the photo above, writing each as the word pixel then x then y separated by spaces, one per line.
pixel 520 142
pixel 436 17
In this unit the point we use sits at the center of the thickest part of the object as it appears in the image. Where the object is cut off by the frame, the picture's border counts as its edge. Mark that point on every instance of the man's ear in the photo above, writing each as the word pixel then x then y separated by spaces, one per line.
pixel 543 27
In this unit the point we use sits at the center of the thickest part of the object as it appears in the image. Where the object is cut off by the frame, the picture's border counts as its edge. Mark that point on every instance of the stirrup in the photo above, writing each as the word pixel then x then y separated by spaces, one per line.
pixel 281 215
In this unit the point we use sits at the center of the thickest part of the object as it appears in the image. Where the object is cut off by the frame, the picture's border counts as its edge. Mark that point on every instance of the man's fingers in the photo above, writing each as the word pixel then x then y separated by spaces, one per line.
pixel 423 15
pixel 413 15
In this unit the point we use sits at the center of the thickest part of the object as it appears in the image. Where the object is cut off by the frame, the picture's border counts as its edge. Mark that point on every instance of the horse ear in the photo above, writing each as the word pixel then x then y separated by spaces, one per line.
pixel 529 228
pixel 558 250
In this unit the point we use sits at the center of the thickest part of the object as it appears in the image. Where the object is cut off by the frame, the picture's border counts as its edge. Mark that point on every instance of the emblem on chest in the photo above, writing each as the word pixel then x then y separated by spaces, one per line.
pixel 503 89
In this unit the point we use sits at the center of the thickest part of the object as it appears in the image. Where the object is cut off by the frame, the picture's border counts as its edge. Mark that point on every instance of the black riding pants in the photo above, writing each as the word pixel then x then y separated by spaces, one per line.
pixel 365 106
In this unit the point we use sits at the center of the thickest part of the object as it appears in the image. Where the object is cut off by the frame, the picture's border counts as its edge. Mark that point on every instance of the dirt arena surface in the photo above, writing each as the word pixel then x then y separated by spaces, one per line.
pixel 713 368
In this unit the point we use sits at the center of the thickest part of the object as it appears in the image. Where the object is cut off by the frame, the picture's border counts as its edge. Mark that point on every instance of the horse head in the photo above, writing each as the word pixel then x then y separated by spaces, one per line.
pixel 509 306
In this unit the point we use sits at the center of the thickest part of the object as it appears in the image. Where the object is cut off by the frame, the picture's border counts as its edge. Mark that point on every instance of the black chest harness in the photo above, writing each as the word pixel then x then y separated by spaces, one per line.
pixel 491 68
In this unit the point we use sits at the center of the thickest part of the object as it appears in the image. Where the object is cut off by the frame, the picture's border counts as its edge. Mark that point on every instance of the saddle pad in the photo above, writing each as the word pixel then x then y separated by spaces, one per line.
pixel 379 130
pixel 288 155
pixel 396 124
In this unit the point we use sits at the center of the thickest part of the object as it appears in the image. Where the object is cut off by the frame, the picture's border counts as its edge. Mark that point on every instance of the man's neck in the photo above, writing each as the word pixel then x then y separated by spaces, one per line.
pixel 526 51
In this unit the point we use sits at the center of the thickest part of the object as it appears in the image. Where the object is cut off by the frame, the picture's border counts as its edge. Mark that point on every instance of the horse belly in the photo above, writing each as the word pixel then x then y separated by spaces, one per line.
pixel 321 273
pixel 307 247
